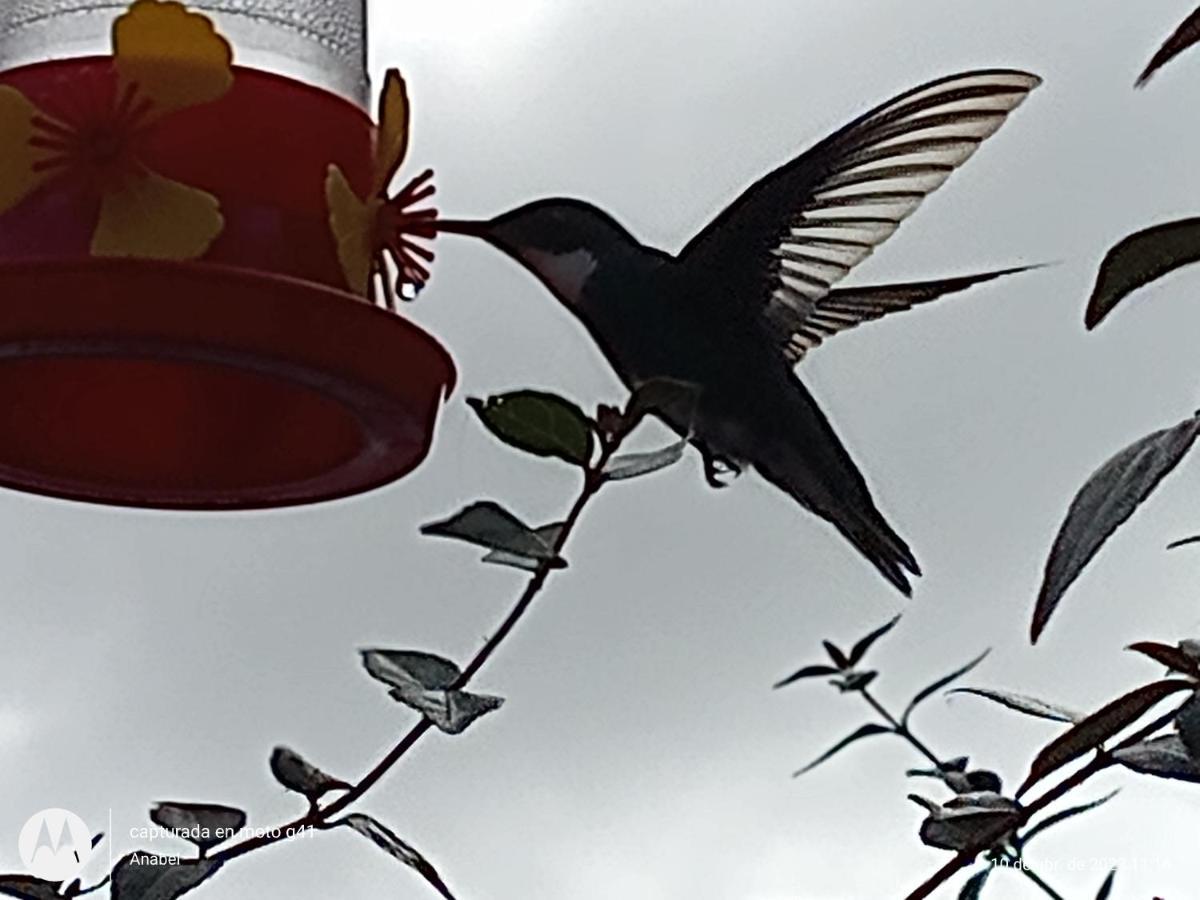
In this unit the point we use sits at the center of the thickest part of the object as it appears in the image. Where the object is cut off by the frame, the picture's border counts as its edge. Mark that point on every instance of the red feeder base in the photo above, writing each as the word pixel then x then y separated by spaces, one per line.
pixel 197 386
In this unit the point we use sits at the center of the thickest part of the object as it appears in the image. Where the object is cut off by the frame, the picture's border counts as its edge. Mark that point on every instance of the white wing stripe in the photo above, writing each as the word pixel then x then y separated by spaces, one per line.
pixel 879 171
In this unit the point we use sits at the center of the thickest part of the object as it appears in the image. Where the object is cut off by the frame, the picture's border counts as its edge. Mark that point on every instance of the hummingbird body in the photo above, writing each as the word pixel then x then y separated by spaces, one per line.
pixel 741 304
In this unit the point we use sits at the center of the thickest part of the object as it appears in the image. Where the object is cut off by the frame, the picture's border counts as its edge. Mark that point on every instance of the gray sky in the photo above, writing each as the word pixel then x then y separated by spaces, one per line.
pixel 641 753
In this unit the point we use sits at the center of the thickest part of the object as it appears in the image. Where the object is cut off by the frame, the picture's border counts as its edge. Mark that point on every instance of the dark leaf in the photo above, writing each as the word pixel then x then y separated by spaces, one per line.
pixel 1092 731
pixel 860 649
pixel 856 681
pixel 539 423
pixel 968 822
pixel 1062 816
pixel 405 668
pixel 1110 496
pixel 203 824
pixel 838 657
pixel 549 534
pixel 425 683
pixel 144 876
pixel 956 765
pixel 1184 37
pixel 1174 658
pixel 979 781
pixel 868 730
pixel 807 672
pixel 450 711
pixel 391 844
pixel 973 889
pixel 1140 259
pixel 941 683
pixel 295 774
pixel 490 525
pixel 1162 757
pixel 26 887
pixel 1031 706
pixel 635 465
pixel 1184 542
pixel 1106 888
pixel 1187 723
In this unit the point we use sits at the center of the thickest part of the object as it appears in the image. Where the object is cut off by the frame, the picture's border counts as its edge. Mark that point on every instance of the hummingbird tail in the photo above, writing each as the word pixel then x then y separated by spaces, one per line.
pixel 885 549
pixel 848 506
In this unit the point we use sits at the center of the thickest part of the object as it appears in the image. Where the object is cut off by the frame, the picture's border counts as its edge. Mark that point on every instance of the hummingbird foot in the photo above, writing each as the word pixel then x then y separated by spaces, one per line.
pixel 720 471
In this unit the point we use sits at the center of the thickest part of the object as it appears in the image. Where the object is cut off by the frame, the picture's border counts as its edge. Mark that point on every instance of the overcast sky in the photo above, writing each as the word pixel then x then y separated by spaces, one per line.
pixel 641 753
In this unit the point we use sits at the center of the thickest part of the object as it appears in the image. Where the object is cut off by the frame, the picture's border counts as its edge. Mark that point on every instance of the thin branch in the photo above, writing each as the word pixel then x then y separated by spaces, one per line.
pixel 1103 760
pixel 594 479
pixel 903 731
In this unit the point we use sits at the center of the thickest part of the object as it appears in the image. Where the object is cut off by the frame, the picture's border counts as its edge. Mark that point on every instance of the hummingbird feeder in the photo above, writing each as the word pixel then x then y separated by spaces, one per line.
pixel 195 227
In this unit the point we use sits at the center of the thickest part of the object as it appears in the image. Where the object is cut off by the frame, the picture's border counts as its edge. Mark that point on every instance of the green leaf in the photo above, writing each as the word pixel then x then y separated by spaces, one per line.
pixel 144 876
pixel 1062 816
pixel 869 730
pixel 1105 502
pixel 539 423
pixel 1184 37
pixel 1106 888
pixel 1021 703
pixel 390 843
pixel 635 465
pixel 1091 732
pixel 203 824
pixel 294 773
pixel 925 693
pixel 860 649
pixel 807 672
pixel 1140 259
pixel 490 525
pixel 973 889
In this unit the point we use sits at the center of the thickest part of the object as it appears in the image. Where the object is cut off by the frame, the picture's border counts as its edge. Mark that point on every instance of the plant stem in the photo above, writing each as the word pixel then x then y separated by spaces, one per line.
pixel 1099 763
pixel 901 729
pixel 319 817
pixel 904 732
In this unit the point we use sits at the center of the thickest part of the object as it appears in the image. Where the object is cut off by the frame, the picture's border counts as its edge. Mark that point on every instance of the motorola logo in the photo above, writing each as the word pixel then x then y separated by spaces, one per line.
pixel 54 845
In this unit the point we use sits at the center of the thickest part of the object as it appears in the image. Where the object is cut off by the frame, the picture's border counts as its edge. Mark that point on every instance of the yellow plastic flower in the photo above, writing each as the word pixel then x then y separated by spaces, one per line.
pixel 369 232
pixel 166 58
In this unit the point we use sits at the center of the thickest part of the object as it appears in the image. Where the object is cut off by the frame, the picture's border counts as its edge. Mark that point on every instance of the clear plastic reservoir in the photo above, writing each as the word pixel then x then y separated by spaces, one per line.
pixel 320 42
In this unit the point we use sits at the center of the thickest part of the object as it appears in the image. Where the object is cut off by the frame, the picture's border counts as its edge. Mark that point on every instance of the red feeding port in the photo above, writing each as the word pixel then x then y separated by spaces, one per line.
pixel 248 377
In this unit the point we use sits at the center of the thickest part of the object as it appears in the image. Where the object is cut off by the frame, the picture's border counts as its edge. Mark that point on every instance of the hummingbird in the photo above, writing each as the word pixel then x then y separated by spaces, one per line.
pixel 745 300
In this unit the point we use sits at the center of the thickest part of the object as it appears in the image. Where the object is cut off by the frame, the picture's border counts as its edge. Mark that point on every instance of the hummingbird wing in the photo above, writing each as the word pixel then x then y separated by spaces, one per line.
pixel 844 308
pixel 799 230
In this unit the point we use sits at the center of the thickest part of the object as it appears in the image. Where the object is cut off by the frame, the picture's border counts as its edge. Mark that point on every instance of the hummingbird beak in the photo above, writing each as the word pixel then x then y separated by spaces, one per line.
pixel 469 227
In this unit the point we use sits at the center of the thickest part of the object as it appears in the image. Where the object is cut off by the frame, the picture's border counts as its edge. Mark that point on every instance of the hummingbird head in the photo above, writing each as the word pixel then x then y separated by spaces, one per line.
pixel 562 242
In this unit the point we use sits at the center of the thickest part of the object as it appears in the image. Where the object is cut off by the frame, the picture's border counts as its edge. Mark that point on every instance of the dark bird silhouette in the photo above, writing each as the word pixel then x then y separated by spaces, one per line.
pixel 749 295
